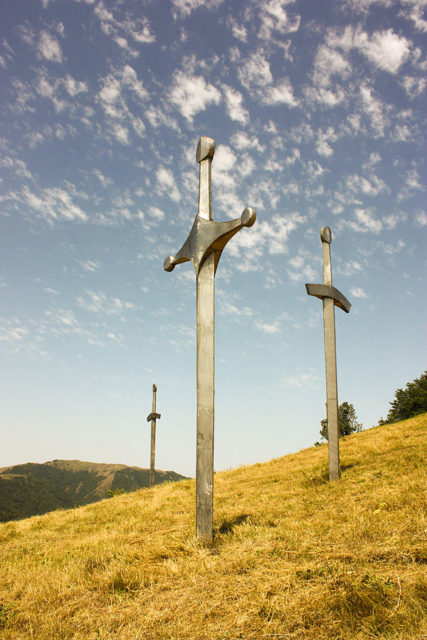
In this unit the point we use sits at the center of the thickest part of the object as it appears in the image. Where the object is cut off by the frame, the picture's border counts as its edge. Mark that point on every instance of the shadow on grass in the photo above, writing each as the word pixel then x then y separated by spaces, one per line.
pixel 228 525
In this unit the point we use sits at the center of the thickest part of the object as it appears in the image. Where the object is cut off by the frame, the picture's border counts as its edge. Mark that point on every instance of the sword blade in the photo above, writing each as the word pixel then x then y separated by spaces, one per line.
pixel 153 439
pixel 205 397
pixel 331 388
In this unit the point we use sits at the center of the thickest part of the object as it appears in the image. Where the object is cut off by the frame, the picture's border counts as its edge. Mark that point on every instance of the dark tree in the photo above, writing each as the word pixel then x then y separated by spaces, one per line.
pixel 409 401
pixel 347 421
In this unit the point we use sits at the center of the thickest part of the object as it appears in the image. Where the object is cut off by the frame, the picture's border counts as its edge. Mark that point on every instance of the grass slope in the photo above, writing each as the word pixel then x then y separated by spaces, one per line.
pixel 294 556
pixel 33 489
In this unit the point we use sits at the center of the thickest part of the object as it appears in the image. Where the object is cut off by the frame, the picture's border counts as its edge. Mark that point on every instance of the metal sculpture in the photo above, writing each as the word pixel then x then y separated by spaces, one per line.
pixel 153 416
pixel 331 297
pixel 203 248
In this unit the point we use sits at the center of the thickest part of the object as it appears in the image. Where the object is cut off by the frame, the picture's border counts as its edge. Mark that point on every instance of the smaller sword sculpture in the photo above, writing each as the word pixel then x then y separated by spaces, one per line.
pixel 203 248
pixel 331 297
pixel 153 416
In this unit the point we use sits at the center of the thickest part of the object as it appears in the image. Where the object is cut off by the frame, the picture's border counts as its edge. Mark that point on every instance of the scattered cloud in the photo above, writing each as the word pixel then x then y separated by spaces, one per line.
pixel 89 265
pixel 192 94
pixel 268 328
pixel 99 302
pixel 238 30
pixel 234 105
pixel 274 18
pixel 49 47
pixel 282 93
pixel 183 8
pixel 420 219
pixel 386 50
pixel 54 203
pixel 166 183
pixel 357 292
pixel 366 222
pixel 302 381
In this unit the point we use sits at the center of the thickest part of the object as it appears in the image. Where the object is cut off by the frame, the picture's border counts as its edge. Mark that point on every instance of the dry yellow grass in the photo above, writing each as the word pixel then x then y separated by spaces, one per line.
pixel 294 556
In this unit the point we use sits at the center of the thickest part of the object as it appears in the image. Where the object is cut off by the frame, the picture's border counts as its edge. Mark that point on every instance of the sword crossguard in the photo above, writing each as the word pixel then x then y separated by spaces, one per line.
pixel 153 416
pixel 206 235
pixel 326 290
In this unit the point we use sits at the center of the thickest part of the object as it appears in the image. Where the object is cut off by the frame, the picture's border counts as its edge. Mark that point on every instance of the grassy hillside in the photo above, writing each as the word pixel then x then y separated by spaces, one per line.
pixel 33 489
pixel 294 556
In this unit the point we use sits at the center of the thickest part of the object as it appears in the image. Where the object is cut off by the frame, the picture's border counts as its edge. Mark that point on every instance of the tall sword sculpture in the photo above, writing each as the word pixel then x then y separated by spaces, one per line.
pixel 203 248
pixel 330 297
pixel 153 416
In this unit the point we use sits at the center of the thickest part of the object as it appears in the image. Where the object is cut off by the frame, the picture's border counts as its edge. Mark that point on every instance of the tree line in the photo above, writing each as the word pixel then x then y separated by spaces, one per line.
pixel 408 402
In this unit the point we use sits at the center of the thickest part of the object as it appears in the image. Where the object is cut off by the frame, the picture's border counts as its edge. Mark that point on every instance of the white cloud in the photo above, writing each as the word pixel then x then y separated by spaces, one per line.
pixel 268 328
pixel 324 137
pixel 135 27
pixel 414 12
pixel 14 333
pixel 270 235
pixel 89 265
pixel 255 71
pixel 350 268
pixel 106 182
pixel 54 203
pixel 301 381
pixel 414 86
pixel 366 222
pixel 282 93
pixel 357 292
pixel 239 31
pixel 183 8
pixel 49 47
pixel 158 115
pixel 192 94
pixel 300 267
pixel 324 96
pixel 234 105
pixel 166 183
pixel 74 87
pixel 374 109
pixel 130 80
pixel 385 49
pixel 329 62
pixel 361 185
pixel 120 132
pixel 391 220
pixel 156 213
pixel 98 302
pixel 274 18
pixel 420 219
pixel 242 140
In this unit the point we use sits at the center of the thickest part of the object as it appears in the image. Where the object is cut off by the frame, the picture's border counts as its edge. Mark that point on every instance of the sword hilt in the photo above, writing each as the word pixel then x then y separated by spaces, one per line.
pixel 204 154
pixel 326 238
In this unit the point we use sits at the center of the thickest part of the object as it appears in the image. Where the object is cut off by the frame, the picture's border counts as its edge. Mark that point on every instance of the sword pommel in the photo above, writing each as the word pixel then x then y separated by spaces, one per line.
pixel 154 387
pixel 205 148
pixel 248 217
pixel 169 263
pixel 326 235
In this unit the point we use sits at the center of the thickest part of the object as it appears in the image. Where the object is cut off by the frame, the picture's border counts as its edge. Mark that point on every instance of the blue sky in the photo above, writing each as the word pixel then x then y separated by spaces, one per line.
pixel 317 112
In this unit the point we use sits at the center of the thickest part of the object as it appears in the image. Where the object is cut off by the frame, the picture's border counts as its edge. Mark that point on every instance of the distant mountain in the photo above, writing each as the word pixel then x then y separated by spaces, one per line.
pixel 32 489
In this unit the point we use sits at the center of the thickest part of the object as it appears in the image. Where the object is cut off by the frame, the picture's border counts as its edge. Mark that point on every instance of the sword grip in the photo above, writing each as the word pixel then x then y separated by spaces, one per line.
pixel 204 154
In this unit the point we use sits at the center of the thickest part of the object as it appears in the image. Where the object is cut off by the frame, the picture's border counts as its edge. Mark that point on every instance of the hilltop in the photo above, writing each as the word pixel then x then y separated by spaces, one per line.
pixel 294 556
pixel 33 489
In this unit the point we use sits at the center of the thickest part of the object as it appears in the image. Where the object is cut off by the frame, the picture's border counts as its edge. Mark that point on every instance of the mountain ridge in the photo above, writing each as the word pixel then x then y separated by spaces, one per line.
pixel 35 488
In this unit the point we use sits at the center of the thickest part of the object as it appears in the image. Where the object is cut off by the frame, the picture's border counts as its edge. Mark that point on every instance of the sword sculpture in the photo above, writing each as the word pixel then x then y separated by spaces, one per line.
pixel 330 297
pixel 153 416
pixel 203 248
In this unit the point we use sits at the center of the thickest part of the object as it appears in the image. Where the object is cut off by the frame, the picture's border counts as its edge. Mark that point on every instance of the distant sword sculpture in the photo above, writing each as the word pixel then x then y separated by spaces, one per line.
pixel 203 248
pixel 153 416
pixel 330 297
